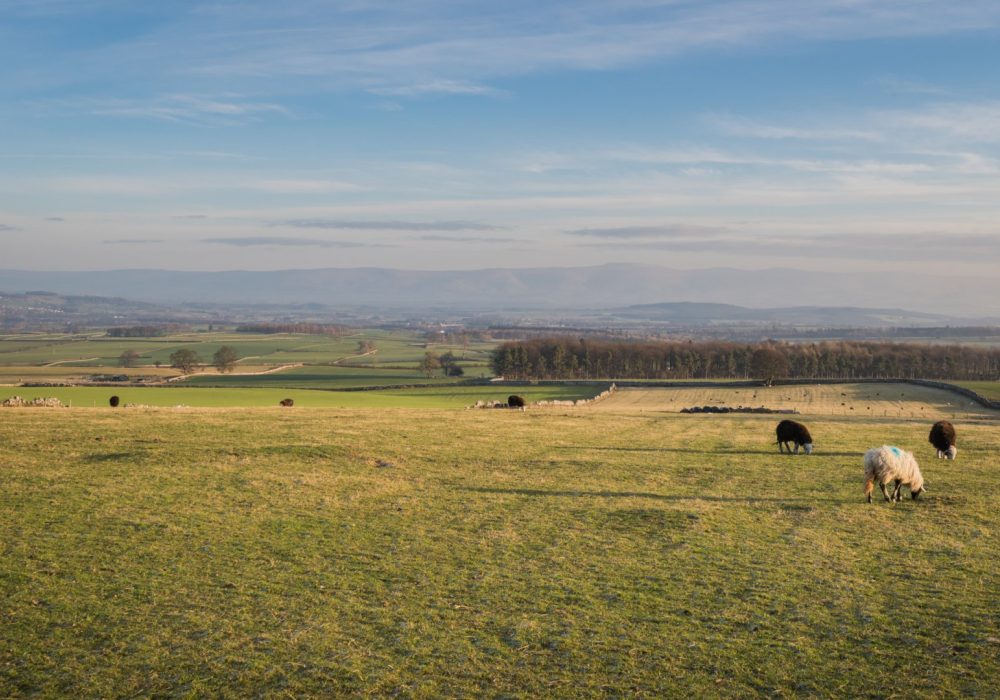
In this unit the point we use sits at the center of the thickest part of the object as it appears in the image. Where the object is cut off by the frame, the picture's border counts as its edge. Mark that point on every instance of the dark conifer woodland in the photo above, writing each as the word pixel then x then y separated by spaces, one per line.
pixel 580 358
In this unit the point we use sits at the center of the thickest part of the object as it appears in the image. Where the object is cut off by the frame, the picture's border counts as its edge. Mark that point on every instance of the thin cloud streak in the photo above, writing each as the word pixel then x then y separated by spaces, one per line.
pixel 437 87
pixel 133 241
pixel 252 241
pixel 387 225
pixel 470 239
pixel 664 231
pixel 226 110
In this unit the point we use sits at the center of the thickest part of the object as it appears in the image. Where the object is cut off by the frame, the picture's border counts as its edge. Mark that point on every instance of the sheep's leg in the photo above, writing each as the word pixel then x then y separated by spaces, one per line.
pixel 885 493
pixel 895 493
pixel 869 487
pixel 796 448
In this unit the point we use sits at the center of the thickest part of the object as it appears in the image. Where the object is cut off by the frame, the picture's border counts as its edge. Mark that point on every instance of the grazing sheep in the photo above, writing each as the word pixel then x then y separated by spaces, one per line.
pixel 885 464
pixel 114 400
pixel 287 402
pixel 943 438
pixel 514 401
pixel 790 431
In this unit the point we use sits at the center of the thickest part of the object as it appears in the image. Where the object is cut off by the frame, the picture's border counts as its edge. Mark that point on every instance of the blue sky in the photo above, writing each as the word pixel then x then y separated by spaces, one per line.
pixel 830 134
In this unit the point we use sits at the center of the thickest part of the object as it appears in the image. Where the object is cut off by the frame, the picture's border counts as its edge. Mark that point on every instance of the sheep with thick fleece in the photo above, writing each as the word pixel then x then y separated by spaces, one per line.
pixel 885 464
pixel 943 438
pixel 789 431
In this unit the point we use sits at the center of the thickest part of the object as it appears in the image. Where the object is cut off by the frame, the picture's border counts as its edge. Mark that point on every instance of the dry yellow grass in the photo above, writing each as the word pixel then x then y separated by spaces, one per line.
pixel 877 400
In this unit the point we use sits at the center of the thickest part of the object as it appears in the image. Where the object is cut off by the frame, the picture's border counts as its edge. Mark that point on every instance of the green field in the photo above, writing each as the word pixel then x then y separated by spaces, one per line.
pixel 302 361
pixel 988 390
pixel 323 377
pixel 442 553
pixel 445 396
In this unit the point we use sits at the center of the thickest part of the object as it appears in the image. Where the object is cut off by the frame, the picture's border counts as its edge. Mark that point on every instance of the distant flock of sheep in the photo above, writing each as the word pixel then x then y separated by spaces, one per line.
pixel 883 464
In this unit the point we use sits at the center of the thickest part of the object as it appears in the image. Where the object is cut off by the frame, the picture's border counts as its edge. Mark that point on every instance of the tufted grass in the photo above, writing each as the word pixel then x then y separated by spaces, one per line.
pixel 260 552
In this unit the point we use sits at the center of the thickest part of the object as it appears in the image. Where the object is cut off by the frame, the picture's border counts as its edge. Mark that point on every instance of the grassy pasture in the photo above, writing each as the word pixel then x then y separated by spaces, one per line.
pixel 323 377
pixel 333 361
pixel 988 390
pixel 583 552
pixel 444 396
pixel 847 400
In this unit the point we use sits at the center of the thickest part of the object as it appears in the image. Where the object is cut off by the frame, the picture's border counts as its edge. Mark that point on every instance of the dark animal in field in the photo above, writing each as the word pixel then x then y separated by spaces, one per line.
pixel 943 438
pixel 885 464
pixel 287 402
pixel 514 401
pixel 114 401
pixel 789 431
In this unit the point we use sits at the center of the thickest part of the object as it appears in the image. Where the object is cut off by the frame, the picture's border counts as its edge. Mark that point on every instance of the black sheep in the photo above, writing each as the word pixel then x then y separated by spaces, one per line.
pixel 114 400
pixel 287 402
pixel 514 401
pixel 790 431
pixel 943 438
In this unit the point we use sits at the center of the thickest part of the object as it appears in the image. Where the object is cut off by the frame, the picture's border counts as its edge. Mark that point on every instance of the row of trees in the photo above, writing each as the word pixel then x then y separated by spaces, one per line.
pixel 157 331
pixel 571 358
pixel 186 360
pixel 447 363
pixel 307 328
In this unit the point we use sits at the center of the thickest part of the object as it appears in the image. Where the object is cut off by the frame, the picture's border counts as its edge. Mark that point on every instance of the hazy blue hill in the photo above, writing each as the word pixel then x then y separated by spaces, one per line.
pixel 599 287
pixel 694 313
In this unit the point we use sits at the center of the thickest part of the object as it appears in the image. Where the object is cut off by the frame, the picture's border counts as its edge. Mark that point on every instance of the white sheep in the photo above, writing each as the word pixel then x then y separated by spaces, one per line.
pixel 885 464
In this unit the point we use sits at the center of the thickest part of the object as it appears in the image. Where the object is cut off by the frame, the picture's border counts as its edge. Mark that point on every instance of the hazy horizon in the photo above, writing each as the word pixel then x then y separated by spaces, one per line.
pixel 593 287
pixel 824 136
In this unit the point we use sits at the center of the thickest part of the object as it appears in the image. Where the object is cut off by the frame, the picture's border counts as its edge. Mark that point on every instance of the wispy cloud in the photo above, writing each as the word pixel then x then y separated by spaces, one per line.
pixel 470 239
pixel 226 110
pixel 301 185
pixel 251 241
pixel 6 227
pixel 908 86
pixel 361 225
pixel 54 218
pixel 952 122
pixel 742 126
pixel 437 87
pixel 422 48
pixel 133 241
pixel 664 231
pixel 977 122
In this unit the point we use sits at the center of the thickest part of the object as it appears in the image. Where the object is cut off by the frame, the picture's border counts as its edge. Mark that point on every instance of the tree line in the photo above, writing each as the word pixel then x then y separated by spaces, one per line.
pixel 582 358
pixel 304 328
pixel 157 331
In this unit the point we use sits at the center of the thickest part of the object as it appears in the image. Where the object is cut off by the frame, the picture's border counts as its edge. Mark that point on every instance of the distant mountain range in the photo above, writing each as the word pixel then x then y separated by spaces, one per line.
pixel 688 313
pixel 603 287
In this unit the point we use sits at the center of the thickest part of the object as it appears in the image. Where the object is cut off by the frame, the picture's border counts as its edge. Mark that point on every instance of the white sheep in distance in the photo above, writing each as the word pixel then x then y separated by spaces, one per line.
pixel 885 464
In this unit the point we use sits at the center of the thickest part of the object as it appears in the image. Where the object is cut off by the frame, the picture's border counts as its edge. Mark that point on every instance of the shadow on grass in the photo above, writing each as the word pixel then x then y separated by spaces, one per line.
pixel 113 457
pixel 688 450
pixel 656 496
pixel 681 450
